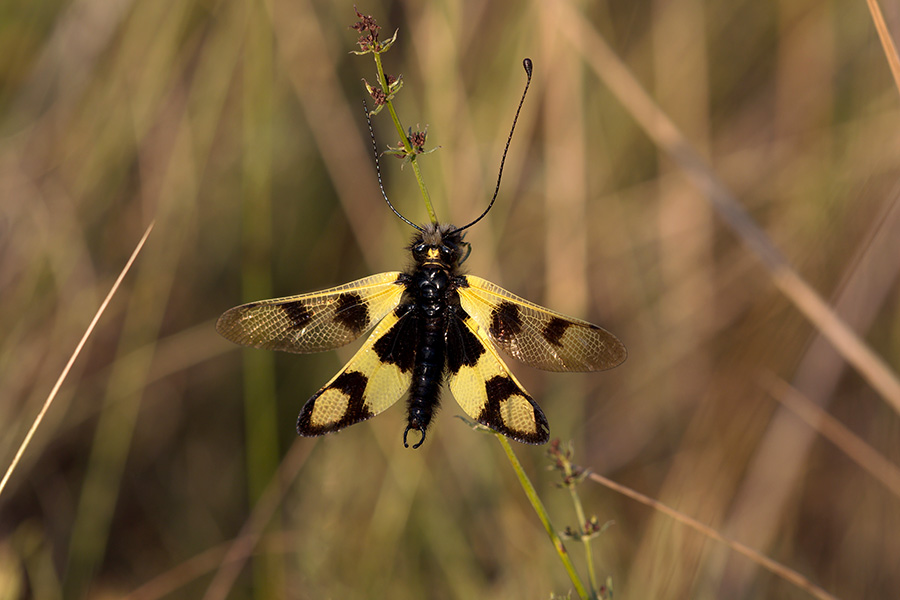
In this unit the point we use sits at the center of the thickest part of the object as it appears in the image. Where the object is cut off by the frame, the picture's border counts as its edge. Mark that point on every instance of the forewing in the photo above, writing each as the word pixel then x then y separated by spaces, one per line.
pixel 536 335
pixel 316 321
pixel 486 390
pixel 376 377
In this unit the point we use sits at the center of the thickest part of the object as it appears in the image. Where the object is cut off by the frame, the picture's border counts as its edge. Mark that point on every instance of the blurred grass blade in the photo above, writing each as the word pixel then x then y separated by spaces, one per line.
pixel 887 43
pixel 261 444
pixel 835 432
pixel 239 550
pixel 764 561
pixel 68 367
pixel 656 124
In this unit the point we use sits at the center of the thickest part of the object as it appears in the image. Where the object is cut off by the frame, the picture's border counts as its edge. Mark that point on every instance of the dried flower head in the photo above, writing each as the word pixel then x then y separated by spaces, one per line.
pixel 368 31
pixel 417 140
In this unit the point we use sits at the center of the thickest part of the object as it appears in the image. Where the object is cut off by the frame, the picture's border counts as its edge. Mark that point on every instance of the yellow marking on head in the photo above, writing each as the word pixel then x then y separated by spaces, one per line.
pixel 433 254
pixel 518 414
pixel 329 408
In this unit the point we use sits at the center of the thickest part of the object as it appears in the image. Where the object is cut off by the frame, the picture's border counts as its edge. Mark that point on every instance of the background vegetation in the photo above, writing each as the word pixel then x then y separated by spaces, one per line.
pixel 238 127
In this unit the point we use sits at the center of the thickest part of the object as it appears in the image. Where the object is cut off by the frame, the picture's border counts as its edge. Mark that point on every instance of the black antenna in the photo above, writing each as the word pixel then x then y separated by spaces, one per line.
pixel 378 170
pixel 528 67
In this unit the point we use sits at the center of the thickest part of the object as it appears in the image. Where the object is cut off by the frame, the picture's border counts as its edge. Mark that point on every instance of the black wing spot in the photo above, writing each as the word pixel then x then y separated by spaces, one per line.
pixel 398 344
pixel 506 322
pixel 500 388
pixel 463 347
pixel 351 312
pixel 297 313
pixel 351 383
pixel 555 329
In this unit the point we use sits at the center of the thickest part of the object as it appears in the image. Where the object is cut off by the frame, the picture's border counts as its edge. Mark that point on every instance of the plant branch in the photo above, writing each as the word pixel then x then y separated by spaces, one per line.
pixel 535 500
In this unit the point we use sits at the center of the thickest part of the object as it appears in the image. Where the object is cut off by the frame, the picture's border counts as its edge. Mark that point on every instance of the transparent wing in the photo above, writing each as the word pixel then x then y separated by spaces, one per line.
pixel 316 321
pixel 536 335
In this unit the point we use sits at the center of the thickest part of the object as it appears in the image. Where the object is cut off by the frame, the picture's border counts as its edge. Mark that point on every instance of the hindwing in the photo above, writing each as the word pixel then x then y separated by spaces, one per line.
pixel 486 390
pixel 376 377
pixel 536 335
pixel 316 321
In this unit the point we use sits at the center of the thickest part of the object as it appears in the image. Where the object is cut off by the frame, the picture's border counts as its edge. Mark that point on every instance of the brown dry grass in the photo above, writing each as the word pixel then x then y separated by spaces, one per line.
pixel 237 126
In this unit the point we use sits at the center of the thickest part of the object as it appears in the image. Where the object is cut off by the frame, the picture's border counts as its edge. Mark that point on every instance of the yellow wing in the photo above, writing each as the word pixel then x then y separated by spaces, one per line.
pixel 486 390
pixel 376 377
pixel 316 321
pixel 536 335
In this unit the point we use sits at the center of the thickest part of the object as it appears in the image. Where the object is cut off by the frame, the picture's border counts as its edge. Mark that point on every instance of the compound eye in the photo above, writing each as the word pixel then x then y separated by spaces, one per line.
pixel 446 254
pixel 419 250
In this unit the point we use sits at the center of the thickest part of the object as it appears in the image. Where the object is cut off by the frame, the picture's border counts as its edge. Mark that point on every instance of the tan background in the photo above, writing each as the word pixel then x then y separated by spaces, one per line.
pixel 238 127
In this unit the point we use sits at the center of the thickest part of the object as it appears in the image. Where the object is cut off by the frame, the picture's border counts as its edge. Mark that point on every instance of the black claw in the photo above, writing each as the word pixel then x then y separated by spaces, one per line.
pixel 406 432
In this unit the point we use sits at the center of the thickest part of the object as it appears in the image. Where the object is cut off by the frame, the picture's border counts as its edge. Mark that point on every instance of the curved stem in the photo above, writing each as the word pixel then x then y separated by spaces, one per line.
pixel 582 520
pixel 404 139
pixel 535 500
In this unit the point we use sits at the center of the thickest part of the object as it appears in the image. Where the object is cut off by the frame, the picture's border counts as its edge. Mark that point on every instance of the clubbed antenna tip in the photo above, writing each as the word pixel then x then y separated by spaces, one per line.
pixel 528 68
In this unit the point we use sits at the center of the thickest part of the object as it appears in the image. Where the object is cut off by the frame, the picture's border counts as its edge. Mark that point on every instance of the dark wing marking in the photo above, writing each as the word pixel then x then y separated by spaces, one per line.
pixel 485 388
pixel 536 335
pixel 313 322
pixel 376 377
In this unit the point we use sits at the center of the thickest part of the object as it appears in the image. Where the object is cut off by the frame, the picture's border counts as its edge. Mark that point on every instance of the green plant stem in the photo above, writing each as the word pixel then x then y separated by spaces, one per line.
pixel 535 500
pixel 588 553
pixel 382 81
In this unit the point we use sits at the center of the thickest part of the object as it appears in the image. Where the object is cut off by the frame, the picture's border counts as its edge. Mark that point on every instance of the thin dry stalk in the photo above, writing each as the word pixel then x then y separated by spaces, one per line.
pixel 835 432
pixel 765 562
pixel 890 50
pixel 68 367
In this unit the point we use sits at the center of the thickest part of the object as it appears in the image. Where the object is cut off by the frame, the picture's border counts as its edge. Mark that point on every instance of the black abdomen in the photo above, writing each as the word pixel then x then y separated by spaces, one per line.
pixel 429 286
